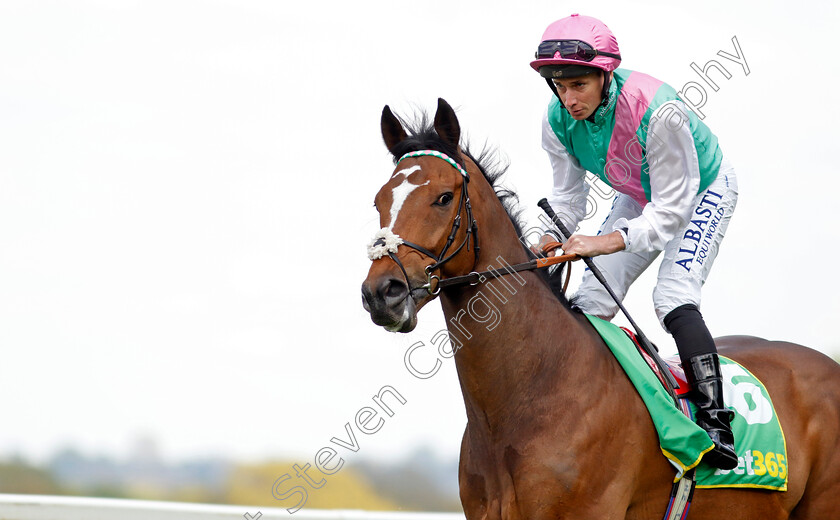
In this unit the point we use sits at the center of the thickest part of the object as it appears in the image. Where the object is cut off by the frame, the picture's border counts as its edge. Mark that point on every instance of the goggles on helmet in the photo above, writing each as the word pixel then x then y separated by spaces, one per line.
pixel 570 50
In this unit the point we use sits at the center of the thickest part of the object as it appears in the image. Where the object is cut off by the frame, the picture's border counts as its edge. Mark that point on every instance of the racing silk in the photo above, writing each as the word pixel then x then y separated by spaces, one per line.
pixel 614 145
pixel 644 143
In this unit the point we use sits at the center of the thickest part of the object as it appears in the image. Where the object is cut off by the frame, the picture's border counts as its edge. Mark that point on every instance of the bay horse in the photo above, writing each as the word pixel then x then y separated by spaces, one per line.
pixel 555 429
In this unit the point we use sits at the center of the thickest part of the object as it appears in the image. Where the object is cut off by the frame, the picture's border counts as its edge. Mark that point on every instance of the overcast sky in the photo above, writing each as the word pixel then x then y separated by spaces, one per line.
pixel 186 194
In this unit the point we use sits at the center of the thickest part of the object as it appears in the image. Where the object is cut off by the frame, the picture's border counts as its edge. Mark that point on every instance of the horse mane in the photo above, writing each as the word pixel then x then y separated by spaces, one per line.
pixel 422 136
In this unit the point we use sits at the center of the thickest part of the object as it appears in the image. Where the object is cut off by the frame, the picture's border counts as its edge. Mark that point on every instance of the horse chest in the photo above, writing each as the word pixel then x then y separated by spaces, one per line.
pixel 509 483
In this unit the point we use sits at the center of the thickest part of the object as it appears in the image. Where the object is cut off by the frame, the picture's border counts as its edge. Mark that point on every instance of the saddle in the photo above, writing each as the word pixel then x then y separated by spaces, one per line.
pixel 674 365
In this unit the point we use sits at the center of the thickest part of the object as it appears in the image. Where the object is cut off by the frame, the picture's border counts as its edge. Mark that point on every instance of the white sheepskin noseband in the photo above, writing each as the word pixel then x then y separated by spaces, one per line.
pixel 383 243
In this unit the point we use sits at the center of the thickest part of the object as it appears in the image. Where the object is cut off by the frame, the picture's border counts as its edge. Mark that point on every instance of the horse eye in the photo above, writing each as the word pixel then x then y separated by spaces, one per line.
pixel 444 199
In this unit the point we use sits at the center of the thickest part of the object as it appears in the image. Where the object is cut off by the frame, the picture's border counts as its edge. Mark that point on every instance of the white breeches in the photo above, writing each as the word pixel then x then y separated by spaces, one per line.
pixel 687 260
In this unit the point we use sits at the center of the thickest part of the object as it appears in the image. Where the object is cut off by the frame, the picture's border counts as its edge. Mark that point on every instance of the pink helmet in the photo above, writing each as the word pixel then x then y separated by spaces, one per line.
pixel 577 40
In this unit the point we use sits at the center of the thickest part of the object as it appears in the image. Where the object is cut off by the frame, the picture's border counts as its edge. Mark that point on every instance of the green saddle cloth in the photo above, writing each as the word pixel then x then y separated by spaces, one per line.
pixel 759 441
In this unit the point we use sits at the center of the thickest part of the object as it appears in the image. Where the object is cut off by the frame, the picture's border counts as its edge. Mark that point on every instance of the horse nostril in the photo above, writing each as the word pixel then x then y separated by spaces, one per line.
pixel 393 291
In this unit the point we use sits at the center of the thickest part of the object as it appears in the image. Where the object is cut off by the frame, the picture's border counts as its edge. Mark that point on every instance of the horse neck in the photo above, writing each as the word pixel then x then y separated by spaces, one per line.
pixel 511 331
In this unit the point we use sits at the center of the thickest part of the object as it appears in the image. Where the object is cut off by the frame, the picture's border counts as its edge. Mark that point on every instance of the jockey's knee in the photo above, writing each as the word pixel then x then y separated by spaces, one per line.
pixel 596 303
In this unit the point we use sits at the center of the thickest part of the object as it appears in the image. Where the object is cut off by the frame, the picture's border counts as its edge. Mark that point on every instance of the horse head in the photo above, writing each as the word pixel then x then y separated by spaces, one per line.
pixel 427 228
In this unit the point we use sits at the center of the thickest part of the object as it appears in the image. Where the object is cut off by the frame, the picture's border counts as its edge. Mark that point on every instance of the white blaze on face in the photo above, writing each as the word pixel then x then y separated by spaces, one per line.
pixel 406 171
pixel 401 193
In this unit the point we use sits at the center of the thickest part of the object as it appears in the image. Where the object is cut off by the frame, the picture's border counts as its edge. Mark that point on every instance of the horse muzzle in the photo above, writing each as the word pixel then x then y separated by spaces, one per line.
pixel 390 304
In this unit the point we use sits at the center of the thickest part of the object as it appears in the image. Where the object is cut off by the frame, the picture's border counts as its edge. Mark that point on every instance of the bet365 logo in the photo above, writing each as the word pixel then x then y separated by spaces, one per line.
pixel 754 462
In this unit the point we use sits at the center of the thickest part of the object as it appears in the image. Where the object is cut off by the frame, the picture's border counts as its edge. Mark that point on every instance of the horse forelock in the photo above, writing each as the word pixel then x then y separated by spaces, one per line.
pixel 422 136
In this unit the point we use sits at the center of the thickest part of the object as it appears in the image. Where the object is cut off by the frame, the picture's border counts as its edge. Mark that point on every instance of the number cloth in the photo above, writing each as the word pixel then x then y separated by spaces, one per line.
pixel 759 440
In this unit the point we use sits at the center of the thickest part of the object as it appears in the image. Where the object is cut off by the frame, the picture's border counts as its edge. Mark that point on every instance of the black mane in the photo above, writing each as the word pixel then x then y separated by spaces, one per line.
pixel 422 136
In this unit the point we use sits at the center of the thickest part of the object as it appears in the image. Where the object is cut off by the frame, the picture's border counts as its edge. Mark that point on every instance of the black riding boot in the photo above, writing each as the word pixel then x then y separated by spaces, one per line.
pixel 702 368
pixel 707 393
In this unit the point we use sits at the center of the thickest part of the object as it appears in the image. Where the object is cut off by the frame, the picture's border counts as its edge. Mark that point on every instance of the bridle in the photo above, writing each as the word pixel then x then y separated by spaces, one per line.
pixel 385 243
pixel 432 282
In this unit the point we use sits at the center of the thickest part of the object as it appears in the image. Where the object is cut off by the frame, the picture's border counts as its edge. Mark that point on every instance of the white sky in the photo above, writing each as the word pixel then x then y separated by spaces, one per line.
pixel 186 191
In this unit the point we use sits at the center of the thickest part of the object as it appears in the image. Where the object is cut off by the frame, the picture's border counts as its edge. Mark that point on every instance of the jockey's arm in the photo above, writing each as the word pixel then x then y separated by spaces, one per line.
pixel 569 191
pixel 593 246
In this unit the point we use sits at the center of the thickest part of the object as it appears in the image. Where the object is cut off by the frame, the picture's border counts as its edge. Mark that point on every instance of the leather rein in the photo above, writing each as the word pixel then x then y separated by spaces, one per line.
pixel 385 243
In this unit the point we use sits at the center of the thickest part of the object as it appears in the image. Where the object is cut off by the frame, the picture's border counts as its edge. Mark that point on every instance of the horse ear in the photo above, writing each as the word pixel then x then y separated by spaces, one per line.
pixel 446 124
pixel 392 130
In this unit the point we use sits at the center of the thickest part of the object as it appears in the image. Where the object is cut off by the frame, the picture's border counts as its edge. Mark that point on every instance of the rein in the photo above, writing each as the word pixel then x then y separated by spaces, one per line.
pixel 386 243
pixel 474 278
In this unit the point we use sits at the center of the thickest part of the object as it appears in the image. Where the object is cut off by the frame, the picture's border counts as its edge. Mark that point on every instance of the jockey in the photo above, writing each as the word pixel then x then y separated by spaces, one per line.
pixel 676 193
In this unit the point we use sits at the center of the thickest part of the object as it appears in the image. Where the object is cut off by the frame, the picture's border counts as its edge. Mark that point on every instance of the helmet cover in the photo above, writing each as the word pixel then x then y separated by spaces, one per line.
pixel 585 29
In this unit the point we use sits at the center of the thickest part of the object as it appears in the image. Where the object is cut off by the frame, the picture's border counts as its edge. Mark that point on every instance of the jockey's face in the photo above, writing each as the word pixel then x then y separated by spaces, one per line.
pixel 581 95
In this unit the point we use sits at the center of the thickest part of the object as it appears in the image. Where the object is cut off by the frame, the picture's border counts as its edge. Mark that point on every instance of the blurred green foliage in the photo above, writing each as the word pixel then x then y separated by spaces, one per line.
pixel 18 477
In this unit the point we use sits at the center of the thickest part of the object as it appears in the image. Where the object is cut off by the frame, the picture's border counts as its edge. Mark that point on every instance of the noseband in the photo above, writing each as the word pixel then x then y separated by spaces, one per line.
pixel 386 242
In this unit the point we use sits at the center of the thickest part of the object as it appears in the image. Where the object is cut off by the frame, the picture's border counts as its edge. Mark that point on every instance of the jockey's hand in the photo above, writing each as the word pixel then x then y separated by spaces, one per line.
pixel 583 245
pixel 545 239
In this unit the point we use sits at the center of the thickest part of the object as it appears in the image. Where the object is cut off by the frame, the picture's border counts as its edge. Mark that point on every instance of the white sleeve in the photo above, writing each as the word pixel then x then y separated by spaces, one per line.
pixel 674 181
pixel 568 197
